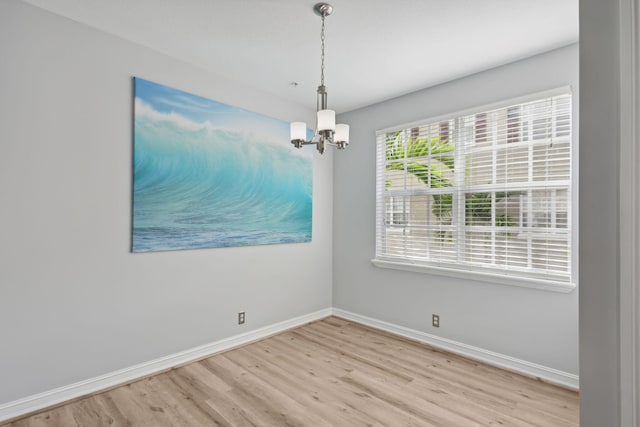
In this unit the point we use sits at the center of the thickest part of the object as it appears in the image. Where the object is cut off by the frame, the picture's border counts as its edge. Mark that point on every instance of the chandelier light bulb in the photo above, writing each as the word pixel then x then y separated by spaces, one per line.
pixel 326 120
pixel 342 133
pixel 298 131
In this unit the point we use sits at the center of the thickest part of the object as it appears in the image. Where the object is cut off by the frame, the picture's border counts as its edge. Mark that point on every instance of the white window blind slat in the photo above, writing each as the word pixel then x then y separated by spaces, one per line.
pixel 489 191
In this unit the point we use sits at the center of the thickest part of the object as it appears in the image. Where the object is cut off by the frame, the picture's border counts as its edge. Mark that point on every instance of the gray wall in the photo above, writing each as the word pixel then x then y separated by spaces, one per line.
pixel 599 213
pixel 533 325
pixel 74 302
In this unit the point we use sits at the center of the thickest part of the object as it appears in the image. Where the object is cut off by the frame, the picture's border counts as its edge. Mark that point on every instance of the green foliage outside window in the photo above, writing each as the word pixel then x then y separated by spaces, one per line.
pixel 437 171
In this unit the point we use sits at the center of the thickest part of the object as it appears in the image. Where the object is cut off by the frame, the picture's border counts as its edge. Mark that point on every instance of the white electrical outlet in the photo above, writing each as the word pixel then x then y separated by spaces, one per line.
pixel 241 318
pixel 435 320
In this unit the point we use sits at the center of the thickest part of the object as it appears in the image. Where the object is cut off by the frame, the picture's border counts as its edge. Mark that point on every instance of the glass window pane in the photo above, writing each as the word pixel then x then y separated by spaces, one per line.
pixel 479 168
pixel 512 164
pixel 511 250
pixel 478 247
pixel 479 209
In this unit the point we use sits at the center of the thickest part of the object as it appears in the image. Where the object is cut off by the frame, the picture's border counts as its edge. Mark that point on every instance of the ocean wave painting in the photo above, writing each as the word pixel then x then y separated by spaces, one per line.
pixel 209 175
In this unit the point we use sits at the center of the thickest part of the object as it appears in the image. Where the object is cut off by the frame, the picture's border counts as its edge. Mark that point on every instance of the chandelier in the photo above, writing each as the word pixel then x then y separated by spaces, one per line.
pixel 327 131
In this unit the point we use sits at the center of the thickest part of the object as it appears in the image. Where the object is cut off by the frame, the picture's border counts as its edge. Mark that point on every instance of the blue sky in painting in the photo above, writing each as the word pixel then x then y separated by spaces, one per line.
pixel 201 110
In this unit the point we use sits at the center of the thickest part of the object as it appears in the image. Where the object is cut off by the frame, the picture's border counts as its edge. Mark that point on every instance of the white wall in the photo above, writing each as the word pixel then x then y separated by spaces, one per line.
pixel 532 325
pixel 74 302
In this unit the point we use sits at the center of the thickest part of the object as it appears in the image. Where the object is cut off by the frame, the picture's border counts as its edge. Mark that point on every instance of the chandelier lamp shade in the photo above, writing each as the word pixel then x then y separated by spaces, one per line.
pixel 327 132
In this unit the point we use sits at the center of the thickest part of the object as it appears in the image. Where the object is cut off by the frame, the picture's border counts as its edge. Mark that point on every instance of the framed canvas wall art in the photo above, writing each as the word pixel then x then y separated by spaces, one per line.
pixel 208 175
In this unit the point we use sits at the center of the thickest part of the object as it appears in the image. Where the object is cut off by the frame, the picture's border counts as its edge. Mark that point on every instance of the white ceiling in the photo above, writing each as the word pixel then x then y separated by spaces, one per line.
pixel 375 49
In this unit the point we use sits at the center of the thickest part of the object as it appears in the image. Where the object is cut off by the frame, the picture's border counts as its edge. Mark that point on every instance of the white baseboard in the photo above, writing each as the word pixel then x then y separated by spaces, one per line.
pixel 545 373
pixel 62 394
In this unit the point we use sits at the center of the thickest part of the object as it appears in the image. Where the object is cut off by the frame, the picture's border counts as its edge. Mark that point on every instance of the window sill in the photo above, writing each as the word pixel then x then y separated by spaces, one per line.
pixel 523 282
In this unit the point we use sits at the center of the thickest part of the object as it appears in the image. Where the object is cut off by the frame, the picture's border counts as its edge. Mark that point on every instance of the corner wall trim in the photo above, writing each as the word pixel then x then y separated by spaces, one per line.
pixel 545 373
pixel 629 207
pixel 59 395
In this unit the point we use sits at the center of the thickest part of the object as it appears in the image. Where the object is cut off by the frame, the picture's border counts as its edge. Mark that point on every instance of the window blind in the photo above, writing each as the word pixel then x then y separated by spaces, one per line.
pixel 488 191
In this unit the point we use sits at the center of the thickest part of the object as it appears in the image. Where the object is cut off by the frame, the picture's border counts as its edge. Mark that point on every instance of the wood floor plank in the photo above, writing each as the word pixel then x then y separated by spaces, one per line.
pixel 453 368
pixel 282 409
pixel 58 417
pixel 407 345
pixel 207 388
pixel 329 373
pixel 304 349
pixel 348 401
pixel 301 385
pixel 413 404
pixel 541 396
pixel 138 402
pixel 377 362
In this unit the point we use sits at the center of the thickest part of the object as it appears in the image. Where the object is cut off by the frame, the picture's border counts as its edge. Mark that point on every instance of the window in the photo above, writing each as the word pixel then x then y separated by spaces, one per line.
pixel 397 211
pixel 487 193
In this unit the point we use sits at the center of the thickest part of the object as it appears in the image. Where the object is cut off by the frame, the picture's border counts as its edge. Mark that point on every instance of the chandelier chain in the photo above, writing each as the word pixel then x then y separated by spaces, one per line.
pixel 322 53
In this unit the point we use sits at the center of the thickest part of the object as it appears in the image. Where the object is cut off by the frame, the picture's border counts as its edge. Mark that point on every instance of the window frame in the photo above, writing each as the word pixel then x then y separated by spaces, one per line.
pixel 493 275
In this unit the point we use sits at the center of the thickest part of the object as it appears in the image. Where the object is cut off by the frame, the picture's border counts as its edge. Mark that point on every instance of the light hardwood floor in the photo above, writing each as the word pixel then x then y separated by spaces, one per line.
pixel 327 373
